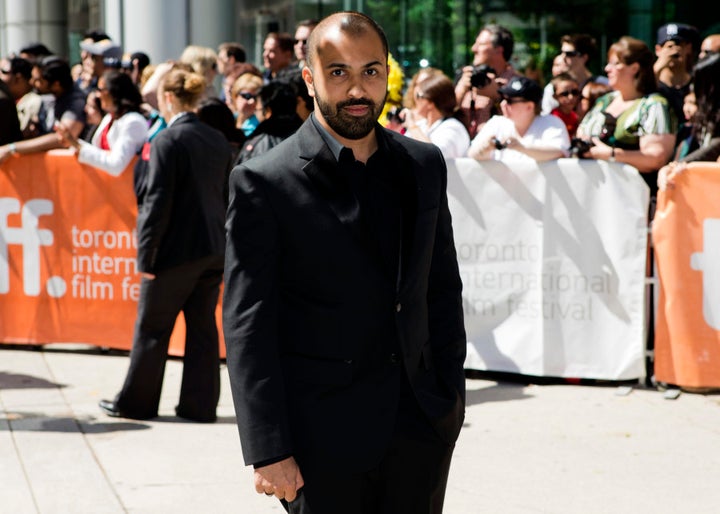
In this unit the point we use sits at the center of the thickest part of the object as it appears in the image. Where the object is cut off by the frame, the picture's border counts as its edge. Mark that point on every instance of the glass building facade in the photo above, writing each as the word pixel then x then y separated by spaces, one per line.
pixel 436 33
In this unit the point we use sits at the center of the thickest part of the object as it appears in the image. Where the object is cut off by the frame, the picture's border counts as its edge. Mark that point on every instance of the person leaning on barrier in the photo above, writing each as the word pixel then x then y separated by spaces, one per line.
pixel 433 119
pixel 122 131
pixel 52 75
pixel 521 133
pixel 704 141
pixel 9 121
pixel 633 124
pixel 16 72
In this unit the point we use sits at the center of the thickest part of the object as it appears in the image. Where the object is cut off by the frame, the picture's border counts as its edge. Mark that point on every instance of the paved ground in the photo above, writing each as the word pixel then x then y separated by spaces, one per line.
pixel 537 449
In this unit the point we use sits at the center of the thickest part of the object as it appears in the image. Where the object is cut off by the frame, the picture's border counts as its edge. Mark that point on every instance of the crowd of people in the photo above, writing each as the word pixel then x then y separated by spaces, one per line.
pixel 652 109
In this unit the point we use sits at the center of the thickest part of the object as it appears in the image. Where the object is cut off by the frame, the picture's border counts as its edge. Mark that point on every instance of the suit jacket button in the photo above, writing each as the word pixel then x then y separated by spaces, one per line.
pixel 393 358
pixel 398 307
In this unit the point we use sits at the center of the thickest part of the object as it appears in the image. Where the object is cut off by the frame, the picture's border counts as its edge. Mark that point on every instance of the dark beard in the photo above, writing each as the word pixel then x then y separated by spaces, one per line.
pixel 345 125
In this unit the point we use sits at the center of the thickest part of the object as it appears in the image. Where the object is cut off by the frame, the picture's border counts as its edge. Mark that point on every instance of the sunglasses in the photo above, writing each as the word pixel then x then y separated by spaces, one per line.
pixel 247 96
pixel 571 53
pixel 573 92
pixel 516 100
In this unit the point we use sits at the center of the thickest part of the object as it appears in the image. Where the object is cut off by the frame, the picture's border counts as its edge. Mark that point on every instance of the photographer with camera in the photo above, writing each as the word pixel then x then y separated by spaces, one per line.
pixel 521 134
pixel 675 50
pixel 476 87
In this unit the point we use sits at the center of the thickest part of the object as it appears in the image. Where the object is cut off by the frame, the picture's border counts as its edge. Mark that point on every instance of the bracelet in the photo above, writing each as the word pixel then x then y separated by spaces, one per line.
pixel 12 148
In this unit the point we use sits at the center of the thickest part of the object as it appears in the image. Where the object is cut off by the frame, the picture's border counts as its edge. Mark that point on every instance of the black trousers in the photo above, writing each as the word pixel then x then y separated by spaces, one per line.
pixel 410 479
pixel 191 288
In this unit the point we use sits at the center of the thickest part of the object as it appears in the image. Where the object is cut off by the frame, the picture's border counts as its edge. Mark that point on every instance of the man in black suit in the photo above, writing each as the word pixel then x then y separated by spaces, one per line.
pixel 342 309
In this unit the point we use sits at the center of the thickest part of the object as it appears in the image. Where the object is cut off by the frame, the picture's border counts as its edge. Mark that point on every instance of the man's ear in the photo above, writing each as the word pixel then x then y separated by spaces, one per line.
pixel 308 78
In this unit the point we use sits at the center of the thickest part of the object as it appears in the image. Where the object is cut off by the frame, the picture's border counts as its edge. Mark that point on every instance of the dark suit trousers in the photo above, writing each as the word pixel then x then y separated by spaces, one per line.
pixel 410 479
pixel 192 288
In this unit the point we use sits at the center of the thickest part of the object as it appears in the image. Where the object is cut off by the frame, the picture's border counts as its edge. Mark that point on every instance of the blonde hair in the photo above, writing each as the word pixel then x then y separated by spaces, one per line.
pixel 146 74
pixel 246 81
pixel 201 58
pixel 187 86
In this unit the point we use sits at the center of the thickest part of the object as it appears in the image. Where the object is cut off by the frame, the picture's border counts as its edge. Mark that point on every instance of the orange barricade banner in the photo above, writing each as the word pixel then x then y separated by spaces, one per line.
pixel 67 254
pixel 686 236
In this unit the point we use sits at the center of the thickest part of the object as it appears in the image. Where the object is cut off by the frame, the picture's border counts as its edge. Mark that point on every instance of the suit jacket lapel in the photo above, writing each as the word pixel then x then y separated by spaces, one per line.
pixel 406 218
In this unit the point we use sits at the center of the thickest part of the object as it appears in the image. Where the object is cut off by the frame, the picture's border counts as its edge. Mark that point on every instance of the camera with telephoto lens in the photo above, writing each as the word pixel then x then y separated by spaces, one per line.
pixel 479 77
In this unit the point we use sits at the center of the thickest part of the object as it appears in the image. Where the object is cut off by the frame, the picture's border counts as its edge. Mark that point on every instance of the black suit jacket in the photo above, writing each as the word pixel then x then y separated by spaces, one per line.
pixel 308 305
pixel 183 215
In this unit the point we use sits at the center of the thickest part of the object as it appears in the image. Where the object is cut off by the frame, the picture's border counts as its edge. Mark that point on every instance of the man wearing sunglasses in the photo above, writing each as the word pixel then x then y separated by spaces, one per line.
pixel 521 134
pixel 16 72
pixel 302 33
pixel 576 50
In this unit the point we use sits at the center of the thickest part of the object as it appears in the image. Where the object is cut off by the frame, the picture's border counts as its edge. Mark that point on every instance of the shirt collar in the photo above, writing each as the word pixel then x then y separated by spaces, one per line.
pixel 336 146
pixel 177 117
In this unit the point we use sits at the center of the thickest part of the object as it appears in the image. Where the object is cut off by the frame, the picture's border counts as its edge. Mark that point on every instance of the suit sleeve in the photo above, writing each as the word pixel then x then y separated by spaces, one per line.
pixel 445 310
pixel 250 320
pixel 155 212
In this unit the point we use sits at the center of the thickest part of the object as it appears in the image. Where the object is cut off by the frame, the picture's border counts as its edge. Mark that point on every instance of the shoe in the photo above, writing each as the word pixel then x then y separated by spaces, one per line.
pixel 109 408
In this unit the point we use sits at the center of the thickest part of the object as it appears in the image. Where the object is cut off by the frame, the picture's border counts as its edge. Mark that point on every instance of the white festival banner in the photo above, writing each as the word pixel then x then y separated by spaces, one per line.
pixel 552 258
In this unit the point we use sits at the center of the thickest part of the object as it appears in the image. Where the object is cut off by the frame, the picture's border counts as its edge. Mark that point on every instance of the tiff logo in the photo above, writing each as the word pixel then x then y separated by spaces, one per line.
pixel 708 261
pixel 31 238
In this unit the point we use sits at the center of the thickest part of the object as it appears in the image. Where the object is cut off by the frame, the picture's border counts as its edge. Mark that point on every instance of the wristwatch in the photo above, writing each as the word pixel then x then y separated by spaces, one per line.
pixel 612 155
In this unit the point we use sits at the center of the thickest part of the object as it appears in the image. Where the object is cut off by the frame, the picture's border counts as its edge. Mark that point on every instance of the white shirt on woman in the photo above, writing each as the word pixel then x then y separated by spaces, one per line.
pixel 125 138
pixel 448 134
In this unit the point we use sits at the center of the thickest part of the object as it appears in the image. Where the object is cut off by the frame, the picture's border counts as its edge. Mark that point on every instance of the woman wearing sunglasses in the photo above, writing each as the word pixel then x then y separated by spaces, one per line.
pixel 244 92
pixel 122 132
pixel 433 118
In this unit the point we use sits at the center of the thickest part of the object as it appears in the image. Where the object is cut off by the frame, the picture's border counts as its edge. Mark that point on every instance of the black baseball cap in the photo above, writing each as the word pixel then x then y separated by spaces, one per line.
pixel 677 32
pixel 522 87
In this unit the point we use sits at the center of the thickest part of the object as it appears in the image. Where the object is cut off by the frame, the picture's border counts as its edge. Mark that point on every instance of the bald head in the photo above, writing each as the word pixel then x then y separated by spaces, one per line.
pixel 710 45
pixel 351 23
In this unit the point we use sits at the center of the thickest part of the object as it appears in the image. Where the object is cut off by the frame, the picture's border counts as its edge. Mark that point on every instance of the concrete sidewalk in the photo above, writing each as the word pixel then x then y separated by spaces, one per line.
pixel 549 449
